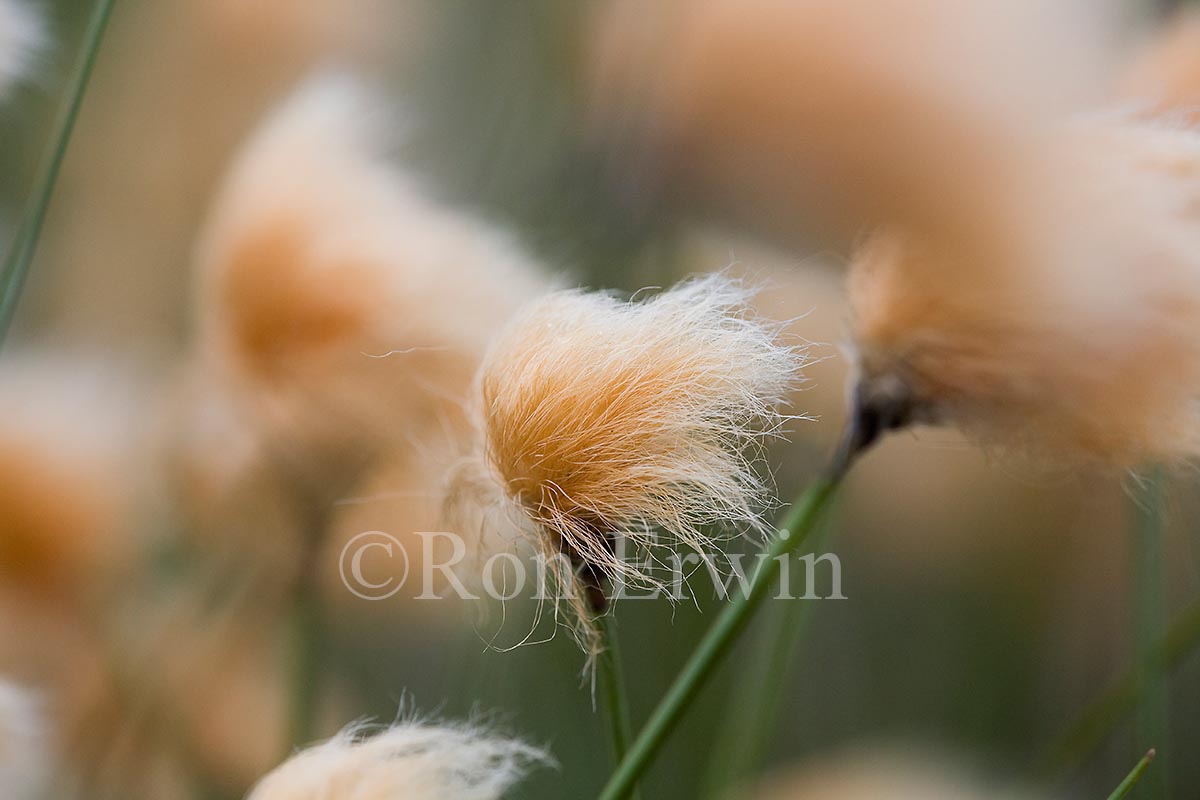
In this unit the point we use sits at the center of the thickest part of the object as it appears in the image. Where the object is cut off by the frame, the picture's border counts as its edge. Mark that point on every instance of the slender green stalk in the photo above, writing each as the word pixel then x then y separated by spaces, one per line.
pixel 716 643
pixel 1103 716
pixel 1133 777
pixel 309 635
pixel 616 698
pixel 307 638
pixel 753 708
pixel 1152 718
pixel 16 264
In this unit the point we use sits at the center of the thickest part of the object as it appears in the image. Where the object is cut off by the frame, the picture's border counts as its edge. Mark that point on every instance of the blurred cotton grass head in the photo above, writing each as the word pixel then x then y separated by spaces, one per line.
pixel 1032 277
pixel 1064 319
pixel 24 754
pixel 601 418
pixel 22 36
pixel 75 468
pixel 413 760
pixel 342 311
pixel 807 118
pixel 872 774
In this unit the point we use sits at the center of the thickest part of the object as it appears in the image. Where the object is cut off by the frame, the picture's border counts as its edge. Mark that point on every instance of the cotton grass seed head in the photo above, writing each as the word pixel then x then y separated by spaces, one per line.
pixel 1064 320
pixel 411 760
pixel 602 418
pixel 22 36
pixel 341 308
pixel 75 466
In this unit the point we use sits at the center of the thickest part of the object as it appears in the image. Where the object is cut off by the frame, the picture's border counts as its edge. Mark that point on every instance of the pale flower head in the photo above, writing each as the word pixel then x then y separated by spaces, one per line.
pixel 1064 319
pixel 602 418
pixel 323 266
pixel 412 760
pixel 343 312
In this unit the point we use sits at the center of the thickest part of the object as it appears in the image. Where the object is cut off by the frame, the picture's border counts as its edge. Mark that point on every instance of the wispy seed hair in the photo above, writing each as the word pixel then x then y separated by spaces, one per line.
pixel 411 760
pixel 602 418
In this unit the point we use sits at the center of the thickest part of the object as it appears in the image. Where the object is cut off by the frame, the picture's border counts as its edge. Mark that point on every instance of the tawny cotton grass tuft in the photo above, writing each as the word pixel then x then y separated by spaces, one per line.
pixel 1033 278
pixel 601 419
pixel 1064 319
pixel 24 760
pixel 411 760
pixel 22 36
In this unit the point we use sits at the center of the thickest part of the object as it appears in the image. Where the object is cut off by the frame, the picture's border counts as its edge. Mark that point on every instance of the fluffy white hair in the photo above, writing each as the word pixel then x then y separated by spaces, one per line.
pixel 411 760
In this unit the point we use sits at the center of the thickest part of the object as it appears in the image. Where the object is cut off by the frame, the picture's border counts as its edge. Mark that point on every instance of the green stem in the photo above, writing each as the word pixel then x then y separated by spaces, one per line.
pixel 16 264
pixel 716 643
pixel 307 636
pixel 753 708
pixel 1152 718
pixel 612 680
pixel 1090 730
pixel 1133 777
pixel 308 631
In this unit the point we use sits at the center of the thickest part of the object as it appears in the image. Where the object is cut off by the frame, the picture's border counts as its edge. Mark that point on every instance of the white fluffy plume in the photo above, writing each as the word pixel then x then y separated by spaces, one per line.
pixel 602 418
pixel 412 761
